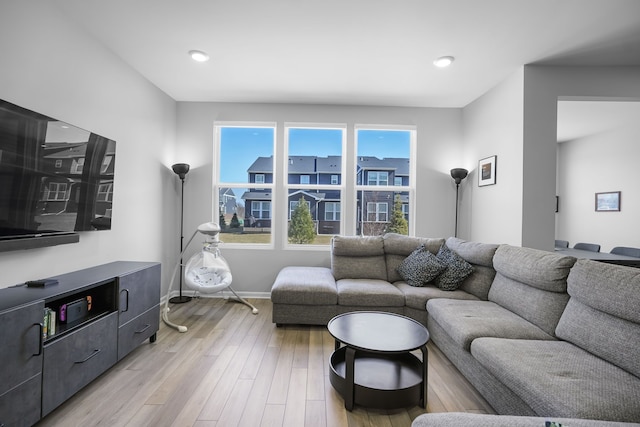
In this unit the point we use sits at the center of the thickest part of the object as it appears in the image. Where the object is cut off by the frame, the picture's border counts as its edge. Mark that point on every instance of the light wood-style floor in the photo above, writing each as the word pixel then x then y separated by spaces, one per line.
pixel 233 368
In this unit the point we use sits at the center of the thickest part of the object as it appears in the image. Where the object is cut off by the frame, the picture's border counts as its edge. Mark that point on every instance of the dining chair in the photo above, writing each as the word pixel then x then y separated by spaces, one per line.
pixel 625 250
pixel 561 244
pixel 593 247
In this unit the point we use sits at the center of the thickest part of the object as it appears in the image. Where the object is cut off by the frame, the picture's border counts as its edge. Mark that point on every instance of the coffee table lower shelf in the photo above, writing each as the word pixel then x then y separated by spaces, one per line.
pixel 380 380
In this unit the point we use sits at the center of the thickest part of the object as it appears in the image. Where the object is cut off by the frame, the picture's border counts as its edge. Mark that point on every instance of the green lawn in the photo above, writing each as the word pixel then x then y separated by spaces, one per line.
pixel 262 238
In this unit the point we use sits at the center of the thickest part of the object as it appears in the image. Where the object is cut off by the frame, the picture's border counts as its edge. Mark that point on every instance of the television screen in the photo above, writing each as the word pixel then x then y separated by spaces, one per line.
pixel 54 177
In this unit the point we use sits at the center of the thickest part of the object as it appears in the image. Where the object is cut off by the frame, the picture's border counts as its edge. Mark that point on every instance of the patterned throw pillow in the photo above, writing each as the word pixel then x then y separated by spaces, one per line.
pixel 420 267
pixel 456 271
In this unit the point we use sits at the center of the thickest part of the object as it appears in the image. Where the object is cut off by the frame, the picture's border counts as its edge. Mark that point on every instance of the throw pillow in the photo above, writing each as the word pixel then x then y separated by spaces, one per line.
pixel 457 269
pixel 420 267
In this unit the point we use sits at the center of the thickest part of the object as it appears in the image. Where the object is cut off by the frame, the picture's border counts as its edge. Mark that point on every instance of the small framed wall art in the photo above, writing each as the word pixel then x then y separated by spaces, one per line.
pixel 487 171
pixel 608 202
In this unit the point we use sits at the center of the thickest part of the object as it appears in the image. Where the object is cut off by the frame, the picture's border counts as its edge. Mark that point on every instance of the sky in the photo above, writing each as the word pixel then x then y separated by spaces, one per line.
pixel 240 146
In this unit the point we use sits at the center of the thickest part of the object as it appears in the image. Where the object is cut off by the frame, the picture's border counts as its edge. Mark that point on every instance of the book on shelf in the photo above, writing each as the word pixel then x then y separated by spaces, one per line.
pixel 48 323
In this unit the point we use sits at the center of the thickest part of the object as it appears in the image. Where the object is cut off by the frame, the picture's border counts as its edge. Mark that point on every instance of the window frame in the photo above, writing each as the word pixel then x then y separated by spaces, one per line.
pixel 218 184
pixel 363 187
pixel 290 188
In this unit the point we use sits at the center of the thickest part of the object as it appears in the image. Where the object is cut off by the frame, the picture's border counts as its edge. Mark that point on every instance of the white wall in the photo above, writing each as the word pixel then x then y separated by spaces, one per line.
pixel 439 148
pixel 599 163
pixel 493 126
pixel 50 66
pixel 544 85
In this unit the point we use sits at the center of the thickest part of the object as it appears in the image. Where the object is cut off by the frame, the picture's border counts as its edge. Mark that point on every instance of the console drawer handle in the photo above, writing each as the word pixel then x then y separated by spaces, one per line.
pixel 147 326
pixel 95 353
pixel 40 340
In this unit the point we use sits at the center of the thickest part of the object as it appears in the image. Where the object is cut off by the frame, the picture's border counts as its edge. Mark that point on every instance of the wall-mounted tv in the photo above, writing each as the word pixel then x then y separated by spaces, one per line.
pixel 55 180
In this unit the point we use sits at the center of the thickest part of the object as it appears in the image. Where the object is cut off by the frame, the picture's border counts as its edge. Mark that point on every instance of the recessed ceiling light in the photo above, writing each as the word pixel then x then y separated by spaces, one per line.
pixel 198 55
pixel 443 61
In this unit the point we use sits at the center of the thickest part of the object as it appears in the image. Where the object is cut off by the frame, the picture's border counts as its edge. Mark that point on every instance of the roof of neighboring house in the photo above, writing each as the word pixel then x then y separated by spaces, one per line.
pixel 227 192
pixel 399 164
pixel 261 165
pixel 256 195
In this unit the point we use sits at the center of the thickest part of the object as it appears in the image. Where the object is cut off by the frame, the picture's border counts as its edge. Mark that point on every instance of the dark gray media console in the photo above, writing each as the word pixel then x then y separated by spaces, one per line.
pixel 40 371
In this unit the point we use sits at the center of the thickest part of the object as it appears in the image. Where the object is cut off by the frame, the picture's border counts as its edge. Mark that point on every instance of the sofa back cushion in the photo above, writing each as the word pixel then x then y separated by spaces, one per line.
pixel 531 283
pixel 480 256
pixel 397 247
pixel 602 316
pixel 354 257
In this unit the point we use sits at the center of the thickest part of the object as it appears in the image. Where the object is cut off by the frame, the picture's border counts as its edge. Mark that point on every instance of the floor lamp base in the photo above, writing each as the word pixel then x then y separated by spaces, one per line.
pixel 179 300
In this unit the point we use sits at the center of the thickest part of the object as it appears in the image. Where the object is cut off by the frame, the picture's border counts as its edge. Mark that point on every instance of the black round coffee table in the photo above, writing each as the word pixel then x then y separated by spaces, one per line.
pixel 375 367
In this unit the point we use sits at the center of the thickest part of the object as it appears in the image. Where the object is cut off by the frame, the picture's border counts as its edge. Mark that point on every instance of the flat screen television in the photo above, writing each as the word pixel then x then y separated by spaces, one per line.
pixel 55 180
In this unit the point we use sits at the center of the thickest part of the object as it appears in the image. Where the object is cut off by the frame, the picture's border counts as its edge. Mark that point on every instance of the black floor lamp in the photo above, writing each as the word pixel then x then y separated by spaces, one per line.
pixel 458 174
pixel 181 169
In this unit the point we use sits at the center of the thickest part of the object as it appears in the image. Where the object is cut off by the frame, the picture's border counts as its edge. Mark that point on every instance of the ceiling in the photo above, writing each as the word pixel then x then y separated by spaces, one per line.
pixel 354 52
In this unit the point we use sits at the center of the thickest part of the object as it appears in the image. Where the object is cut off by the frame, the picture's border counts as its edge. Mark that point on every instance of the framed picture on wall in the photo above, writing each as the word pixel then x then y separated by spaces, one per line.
pixel 487 171
pixel 608 202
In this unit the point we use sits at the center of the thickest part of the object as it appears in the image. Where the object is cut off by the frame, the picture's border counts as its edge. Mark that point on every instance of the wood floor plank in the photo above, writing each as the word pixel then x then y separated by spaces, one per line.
pixel 233 368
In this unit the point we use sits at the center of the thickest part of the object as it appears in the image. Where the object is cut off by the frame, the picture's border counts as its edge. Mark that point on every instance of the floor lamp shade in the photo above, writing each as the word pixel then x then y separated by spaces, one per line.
pixel 458 174
pixel 181 169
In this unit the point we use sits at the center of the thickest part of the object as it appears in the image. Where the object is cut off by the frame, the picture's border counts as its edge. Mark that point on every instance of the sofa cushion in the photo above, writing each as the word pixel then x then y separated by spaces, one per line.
pixel 420 267
pixel 417 297
pixel 358 257
pixel 304 285
pixel 473 252
pixel 465 321
pixel 480 256
pixel 457 269
pixel 397 247
pixel 368 293
pixel 532 284
pixel 602 315
pixel 559 379
pixel 540 269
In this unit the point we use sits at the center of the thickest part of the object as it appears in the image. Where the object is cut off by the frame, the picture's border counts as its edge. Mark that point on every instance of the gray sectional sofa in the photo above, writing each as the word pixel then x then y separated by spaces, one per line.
pixel 537 333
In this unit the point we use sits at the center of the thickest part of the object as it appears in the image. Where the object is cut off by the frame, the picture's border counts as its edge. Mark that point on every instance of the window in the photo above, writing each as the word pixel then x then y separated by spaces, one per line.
pixel 105 193
pixel 377 212
pixel 332 211
pixel 259 181
pixel 244 182
pixel 378 178
pixel 77 165
pixel 261 210
pixel 383 160
pixel 315 157
pixel 56 191
pixel 58 164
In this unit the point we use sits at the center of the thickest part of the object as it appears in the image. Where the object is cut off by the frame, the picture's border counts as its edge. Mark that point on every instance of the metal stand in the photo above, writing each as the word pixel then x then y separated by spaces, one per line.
pixel 180 299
